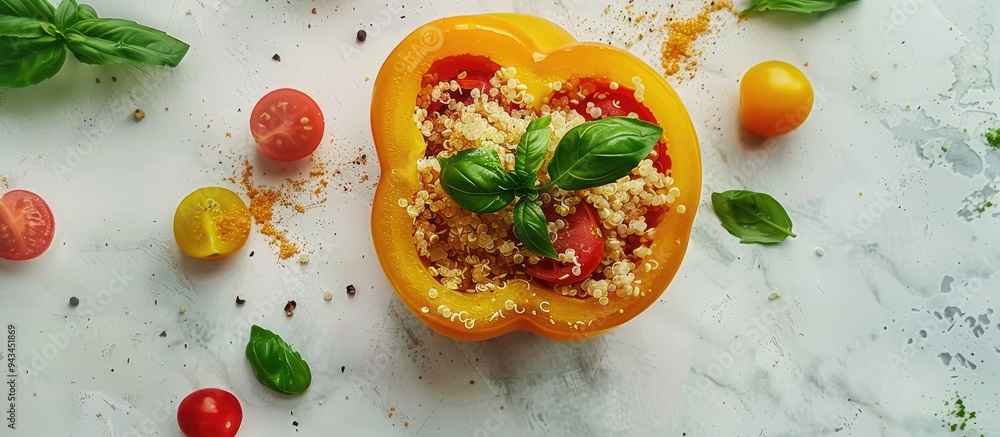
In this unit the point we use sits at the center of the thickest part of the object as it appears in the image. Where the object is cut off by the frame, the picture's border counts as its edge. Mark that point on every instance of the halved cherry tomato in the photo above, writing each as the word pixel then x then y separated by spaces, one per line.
pixel 26 226
pixel 582 234
pixel 287 125
pixel 775 98
pixel 211 222
pixel 210 412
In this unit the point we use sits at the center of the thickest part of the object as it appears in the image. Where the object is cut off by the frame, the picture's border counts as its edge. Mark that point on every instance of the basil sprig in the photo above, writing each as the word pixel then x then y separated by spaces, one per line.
pixel 276 365
pixel 590 155
pixel 34 37
pixel 752 217
pixel 800 6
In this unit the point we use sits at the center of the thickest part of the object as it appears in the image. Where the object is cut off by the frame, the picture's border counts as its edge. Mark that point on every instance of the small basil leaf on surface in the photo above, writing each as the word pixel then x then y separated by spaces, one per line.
pixel 115 41
pixel 532 229
pixel 67 13
pixel 475 179
pixel 800 6
pixel 20 27
pixel 531 150
pixel 602 151
pixel 29 61
pixel 275 364
pixel 752 217
pixel 37 9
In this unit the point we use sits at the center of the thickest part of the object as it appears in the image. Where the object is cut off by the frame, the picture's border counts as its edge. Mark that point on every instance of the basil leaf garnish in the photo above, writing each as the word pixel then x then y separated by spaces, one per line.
pixel 115 41
pixel 531 151
pixel 276 365
pixel 25 62
pixel 21 27
pixel 531 228
pixel 602 151
pixel 37 9
pixel 67 13
pixel 752 217
pixel 800 6
pixel 476 180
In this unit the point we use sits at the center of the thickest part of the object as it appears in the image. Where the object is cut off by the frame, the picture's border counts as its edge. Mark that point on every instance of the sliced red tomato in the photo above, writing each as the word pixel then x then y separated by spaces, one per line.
pixel 470 72
pixel 618 102
pixel 582 234
pixel 26 226
pixel 210 412
pixel 287 125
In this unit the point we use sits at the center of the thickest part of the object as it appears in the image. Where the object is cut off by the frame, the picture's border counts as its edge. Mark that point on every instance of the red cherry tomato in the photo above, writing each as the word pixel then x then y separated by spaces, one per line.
pixel 287 125
pixel 582 234
pixel 26 226
pixel 210 412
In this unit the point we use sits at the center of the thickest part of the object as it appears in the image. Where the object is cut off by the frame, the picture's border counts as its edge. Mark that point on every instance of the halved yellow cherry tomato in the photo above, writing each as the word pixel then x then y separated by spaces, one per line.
pixel 775 98
pixel 211 222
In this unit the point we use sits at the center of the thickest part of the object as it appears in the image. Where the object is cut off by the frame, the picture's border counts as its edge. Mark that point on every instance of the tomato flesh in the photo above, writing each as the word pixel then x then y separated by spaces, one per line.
pixel 27 227
pixel 582 234
pixel 287 125
pixel 775 98
pixel 211 222
pixel 210 412
pixel 468 71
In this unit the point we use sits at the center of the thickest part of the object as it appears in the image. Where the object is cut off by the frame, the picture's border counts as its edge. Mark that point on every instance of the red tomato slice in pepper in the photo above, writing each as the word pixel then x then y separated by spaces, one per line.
pixel 287 125
pixel 470 72
pixel 26 226
pixel 582 234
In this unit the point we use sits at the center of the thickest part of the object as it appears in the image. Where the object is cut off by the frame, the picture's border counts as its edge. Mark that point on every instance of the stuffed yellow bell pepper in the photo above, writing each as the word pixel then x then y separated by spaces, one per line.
pixel 547 253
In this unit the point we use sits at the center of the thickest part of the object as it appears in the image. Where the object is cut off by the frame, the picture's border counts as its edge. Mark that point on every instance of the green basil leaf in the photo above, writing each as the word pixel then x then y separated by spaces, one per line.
pixel 87 12
pixel 37 9
pixel 276 365
pixel 752 217
pixel 29 61
pixel 532 229
pixel 531 150
pixel 475 179
pixel 114 41
pixel 800 6
pixel 67 13
pixel 602 151
pixel 21 27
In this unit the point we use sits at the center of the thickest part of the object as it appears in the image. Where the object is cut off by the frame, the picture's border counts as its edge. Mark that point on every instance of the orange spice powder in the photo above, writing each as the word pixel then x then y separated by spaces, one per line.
pixel 264 201
pixel 678 51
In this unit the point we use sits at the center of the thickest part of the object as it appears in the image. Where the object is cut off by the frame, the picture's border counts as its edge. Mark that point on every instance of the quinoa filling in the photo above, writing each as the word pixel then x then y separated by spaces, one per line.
pixel 479 252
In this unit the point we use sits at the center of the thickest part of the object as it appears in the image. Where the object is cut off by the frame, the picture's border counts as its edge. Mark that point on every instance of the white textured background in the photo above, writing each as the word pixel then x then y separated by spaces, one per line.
pixel 871 339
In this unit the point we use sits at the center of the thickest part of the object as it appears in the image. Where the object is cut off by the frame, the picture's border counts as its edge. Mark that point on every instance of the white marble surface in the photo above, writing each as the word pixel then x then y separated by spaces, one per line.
pixel 870 339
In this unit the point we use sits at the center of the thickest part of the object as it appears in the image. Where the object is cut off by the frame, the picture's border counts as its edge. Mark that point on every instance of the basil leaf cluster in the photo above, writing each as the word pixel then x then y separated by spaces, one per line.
pixel 590 155
pixel 752 217
pixel 275 364
pixel 34 37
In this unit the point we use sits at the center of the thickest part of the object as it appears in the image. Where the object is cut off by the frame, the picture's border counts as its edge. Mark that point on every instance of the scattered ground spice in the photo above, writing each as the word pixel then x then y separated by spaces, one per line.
pixel 290 308
pixel 163 334
pixel 679 53
pixel 351 290
pixel 240 300
pixel 264 201
pixel 276 57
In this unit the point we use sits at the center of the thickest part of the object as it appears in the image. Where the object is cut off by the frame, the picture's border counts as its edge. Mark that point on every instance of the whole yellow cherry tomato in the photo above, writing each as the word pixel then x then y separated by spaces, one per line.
pixel 775 98
pixel 211 222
